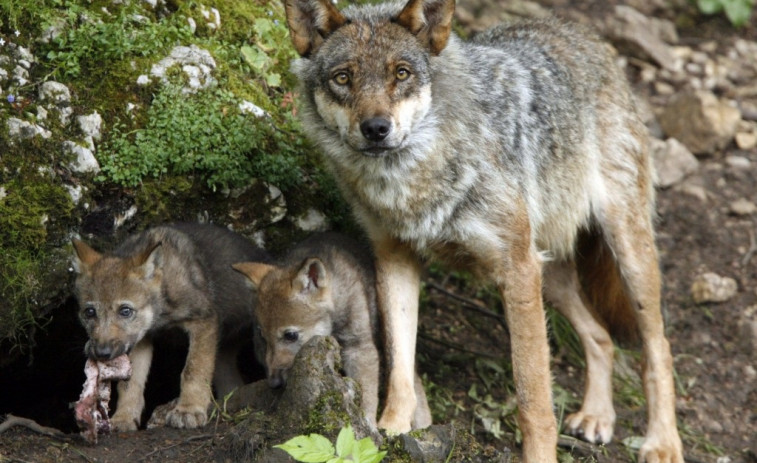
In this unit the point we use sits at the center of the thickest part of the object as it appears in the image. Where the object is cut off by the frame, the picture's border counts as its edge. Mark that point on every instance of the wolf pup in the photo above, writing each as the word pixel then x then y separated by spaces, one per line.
pixel 169 276
pixel 324 286
pixel 504 153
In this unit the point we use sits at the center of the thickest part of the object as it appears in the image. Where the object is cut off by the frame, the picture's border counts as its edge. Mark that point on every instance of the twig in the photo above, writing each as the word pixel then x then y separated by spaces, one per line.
pixel 185 441
pixel 752 249
pixel 11 420
pixel 456 346
pixel 468 302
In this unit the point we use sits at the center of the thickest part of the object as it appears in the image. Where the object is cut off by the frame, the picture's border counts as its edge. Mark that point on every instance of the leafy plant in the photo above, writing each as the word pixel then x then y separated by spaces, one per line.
pixel 315 448
pixel 738 12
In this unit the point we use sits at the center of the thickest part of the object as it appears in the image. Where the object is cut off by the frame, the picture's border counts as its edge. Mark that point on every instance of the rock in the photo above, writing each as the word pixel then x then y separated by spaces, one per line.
pixel 748 329
pixel 673 161
pixel 700 121
pixel 91 125
pixel 311 221
pixel 197 64
pixel 430 445
pixel 55 93
pixel 643 37
pixel 18 128
pixel 247 107
pixel 743 207
pixel 746 140
pixel 85 160
pixel 711 287
pixel 738 162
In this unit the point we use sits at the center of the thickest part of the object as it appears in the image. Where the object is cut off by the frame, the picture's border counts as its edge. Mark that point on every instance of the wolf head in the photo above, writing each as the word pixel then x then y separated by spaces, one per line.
pixel 294 304
pixel 116 297
pixel 366 69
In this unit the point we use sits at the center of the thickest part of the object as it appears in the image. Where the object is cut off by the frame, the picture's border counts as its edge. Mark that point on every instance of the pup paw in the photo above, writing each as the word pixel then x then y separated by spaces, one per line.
pixel 593 428
pixel 123 423
pixel 178 416
pixel 393 424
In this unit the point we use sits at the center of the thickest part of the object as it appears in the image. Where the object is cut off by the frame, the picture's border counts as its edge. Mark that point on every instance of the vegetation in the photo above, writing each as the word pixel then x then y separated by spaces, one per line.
pixel 738 12
pixel 315 448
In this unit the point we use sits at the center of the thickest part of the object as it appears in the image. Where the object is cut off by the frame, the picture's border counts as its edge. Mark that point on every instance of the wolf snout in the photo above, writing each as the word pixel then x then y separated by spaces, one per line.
pixel 376 129
pixel 104 351
pixel 276 379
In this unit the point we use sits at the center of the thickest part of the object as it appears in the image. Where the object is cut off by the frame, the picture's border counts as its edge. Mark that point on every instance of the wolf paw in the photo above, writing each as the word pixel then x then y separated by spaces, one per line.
pixel 661 450
pixel 123 423
pixel 178 416
pixel 593 428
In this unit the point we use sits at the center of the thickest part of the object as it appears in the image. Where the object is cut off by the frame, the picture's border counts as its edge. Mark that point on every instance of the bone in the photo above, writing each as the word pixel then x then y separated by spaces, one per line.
pixel 91 410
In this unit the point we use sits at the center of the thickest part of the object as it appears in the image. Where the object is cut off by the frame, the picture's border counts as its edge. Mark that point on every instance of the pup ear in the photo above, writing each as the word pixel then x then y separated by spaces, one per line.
pixel 430 21
pixel 310 22
pixel 148 260
pixel 254 271
pixel 85 256
pixel 311 277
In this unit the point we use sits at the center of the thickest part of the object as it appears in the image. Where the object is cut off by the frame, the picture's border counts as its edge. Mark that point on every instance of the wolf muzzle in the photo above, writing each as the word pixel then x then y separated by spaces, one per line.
pixel 376 129
pixel 104 350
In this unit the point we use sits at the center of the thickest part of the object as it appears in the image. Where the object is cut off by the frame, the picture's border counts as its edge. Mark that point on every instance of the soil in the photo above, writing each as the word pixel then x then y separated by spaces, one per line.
pixel 463 344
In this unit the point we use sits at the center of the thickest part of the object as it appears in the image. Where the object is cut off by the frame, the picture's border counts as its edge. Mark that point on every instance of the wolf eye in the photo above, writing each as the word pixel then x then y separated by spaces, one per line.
pixel 341 78
pixel 89 312
pixel 291 336
pixel 402 73
pixel 125 311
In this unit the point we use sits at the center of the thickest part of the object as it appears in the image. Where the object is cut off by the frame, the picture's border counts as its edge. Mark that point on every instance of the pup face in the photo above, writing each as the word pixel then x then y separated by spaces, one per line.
pixel 368 70
pixel 293 306
pixel 115 297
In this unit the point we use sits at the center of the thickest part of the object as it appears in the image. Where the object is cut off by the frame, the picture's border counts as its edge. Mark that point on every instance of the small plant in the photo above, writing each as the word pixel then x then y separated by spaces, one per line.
pixel 738 12
pixel 315 448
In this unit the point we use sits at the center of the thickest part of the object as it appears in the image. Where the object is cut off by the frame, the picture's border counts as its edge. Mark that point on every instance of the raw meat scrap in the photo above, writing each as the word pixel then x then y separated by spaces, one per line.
pixel 92 408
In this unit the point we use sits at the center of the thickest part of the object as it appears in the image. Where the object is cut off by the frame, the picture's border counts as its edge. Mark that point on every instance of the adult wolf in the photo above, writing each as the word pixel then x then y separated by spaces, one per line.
pixel 168 276
pixel 507 154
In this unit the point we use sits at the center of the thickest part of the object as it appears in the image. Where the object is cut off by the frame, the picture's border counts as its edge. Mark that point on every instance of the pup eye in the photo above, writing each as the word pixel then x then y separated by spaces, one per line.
pixel 89 312
pixel 341 78
pixel 125 311
pixel 402 73
pixel 291 336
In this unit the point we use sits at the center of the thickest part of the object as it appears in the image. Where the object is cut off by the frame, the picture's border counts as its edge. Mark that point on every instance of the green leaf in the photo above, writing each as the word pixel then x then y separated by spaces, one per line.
pixel 709 6
pixel 374 458
pixel 273 79
pixel 308 449
pixel 738 11
pixel 255 57
pixel 345 442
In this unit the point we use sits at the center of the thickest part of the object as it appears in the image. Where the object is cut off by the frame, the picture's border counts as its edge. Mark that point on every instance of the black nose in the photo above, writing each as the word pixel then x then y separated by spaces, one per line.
pixel 276 380
pixel 375 128
pixel 102 352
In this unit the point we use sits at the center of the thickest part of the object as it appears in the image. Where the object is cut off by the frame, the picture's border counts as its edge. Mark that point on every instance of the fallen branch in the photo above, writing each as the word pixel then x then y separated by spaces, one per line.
pixel 750 252
pixel 185 441
pixel 11 420
pixel 480 308
pixel 456 346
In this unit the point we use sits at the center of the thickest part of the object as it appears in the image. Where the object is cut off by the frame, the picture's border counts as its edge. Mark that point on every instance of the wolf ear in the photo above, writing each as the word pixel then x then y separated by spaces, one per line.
pixel 254 271
pixel 85 256
pixel 311 277
pixel 148 260
pixel 430 21
pixel 310 22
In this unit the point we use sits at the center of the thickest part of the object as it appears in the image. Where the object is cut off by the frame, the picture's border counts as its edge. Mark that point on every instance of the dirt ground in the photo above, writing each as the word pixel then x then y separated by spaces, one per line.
pixel 463 344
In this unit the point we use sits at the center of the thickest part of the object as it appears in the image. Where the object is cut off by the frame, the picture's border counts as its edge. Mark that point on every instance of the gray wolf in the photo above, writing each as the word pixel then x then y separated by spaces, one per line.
pixel 324 286
pixel 168 276
pixel 517 154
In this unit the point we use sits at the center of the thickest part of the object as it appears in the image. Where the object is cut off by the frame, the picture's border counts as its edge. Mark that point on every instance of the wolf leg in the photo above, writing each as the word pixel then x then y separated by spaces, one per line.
pixel 422 417
pixel 595 421
pixel 632 242
pixel 131 397
pixel 226 375
pixel 191 409
pixel 361 362
pixel 520 285
pixel 398 289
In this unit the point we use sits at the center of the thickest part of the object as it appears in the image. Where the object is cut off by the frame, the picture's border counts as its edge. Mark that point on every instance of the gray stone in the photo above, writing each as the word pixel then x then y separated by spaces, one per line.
pixel 21 129
pixel 85 160
pixel 91 125
pixel 711 287
pixel 195 62
pixel 672 161
pixel 743 207
pixel 699 120
pixel 643 37
pixel 55 93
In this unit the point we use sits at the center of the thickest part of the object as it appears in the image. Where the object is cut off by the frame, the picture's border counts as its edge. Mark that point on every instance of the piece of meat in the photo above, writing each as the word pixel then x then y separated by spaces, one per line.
pixel 91 410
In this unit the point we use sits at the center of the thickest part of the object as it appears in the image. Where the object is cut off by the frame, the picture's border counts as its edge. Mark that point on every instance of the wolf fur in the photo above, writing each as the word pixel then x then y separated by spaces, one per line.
pixel 168 276
pixel 501 154
pixel 325 286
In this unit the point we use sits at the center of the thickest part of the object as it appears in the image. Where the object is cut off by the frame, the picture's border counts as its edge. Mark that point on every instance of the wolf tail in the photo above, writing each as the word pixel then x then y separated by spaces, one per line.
pixel 603 286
